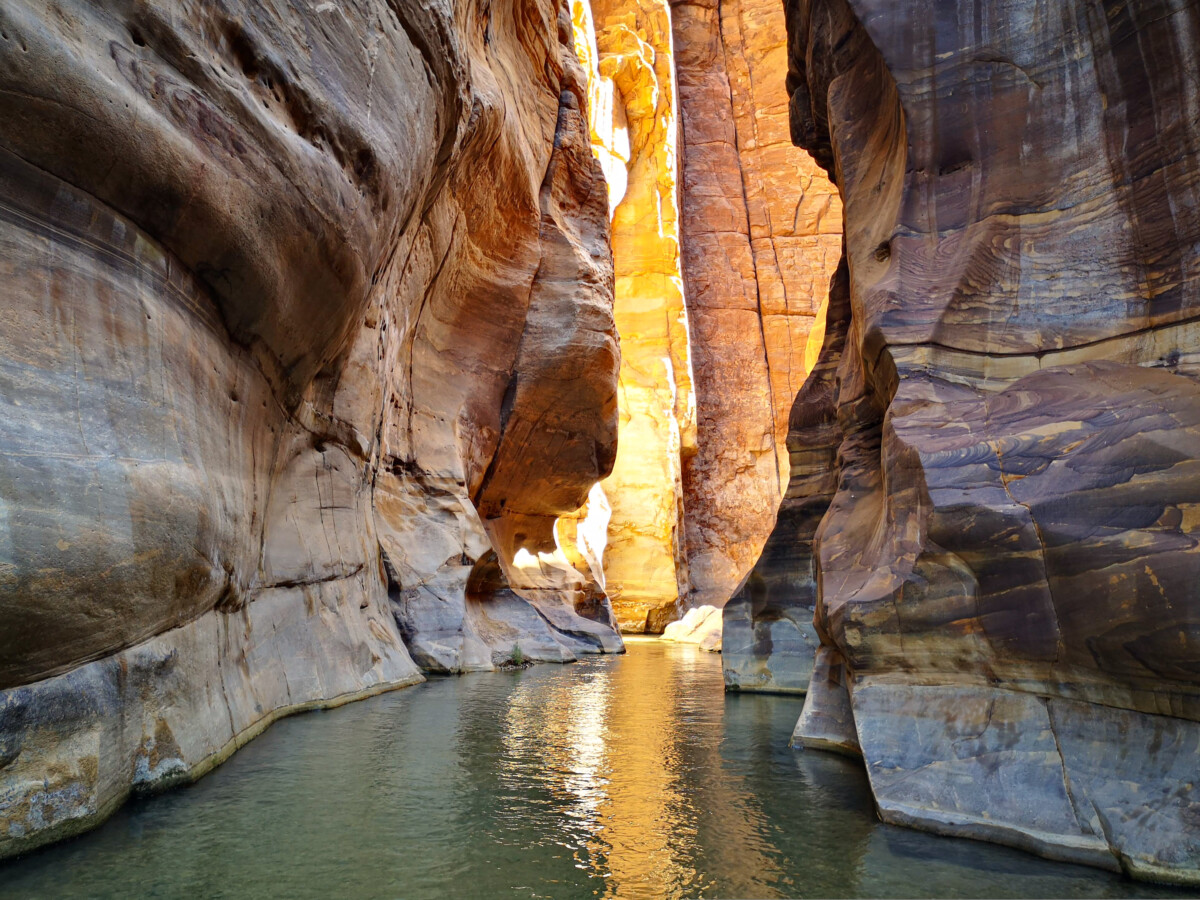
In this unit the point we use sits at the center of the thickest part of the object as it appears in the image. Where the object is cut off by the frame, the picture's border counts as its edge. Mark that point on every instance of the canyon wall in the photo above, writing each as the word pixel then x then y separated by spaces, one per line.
pixel 1005 573
pixel 633 113
pixel 761 228
pixel 308 368
pixel 718 271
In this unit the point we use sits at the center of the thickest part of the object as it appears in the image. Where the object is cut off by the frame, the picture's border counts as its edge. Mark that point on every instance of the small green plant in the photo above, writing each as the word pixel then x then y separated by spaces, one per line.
pixel 518 656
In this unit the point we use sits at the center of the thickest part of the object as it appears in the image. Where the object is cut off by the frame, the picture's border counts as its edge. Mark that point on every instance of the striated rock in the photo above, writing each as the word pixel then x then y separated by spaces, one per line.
pixel 634 124
pixel 1005 573
pixel 308 348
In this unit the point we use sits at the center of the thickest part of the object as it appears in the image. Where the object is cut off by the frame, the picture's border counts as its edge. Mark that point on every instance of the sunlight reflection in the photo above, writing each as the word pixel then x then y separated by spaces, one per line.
pixel 620 775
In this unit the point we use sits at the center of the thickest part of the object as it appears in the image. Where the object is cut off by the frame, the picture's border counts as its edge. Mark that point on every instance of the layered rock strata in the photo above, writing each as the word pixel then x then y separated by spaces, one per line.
pixel 1005 573
pixel 308 362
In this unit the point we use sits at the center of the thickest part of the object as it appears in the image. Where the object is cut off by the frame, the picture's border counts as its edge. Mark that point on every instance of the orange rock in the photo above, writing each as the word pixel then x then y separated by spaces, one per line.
pixel 634 127
pixel 761 228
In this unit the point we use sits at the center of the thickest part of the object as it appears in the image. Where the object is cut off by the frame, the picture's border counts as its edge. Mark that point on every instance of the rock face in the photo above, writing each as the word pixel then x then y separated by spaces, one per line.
pixel 700 625
pixel 761 228
pixel 699 472
pixel 770 642
pixel 634 125
pixel 308 363
pixel 1005 591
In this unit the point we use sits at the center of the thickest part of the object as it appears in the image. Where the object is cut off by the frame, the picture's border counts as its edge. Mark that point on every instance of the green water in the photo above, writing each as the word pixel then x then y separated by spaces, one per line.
pixel 631 776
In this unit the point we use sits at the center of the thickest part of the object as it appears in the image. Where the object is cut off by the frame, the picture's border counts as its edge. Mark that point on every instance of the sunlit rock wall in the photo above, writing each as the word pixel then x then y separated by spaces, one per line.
pixel 634 128
pixel 761 233
pixel 307 347
pixel 1007 571
pixel 699 473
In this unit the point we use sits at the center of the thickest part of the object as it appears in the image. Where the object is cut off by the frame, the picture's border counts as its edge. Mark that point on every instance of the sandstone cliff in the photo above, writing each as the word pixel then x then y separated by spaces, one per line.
pixel 761 236
pixel 718 271
pixel 634 125
pixel 1005 574
pixel 308 344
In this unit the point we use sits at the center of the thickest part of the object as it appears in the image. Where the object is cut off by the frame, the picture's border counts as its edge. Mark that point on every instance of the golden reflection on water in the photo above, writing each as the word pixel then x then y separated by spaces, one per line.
pixel 619 753
pixel 631 776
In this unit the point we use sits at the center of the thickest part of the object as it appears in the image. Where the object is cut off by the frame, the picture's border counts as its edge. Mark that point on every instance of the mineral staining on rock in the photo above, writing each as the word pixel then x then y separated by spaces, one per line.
pixel 308 347
pixel 698 473
pixel 311 382
pixel 1004 575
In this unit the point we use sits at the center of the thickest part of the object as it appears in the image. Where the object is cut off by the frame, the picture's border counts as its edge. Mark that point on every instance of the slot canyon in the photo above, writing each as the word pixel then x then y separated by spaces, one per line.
pixel 351 345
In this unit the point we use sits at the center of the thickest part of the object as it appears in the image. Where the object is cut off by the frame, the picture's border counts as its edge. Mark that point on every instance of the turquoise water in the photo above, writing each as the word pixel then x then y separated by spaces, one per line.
pixel 631 776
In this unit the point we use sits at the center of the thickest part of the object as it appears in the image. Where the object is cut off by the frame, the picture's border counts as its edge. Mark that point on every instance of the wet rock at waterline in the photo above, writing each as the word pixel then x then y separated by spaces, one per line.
pixel 308 328
pixel 701 626
pixel 1005 575
pixel 770 638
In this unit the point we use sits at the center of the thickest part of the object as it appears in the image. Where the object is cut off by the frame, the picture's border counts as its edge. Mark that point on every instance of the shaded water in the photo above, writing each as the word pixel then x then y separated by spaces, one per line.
pixel 629 776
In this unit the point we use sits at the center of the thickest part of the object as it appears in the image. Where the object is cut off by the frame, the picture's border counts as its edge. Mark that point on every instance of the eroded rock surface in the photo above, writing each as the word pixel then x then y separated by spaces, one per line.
pixel 1006 576
pixel 634 128
pixel 700 625
pixel 761 233
pixel 307 348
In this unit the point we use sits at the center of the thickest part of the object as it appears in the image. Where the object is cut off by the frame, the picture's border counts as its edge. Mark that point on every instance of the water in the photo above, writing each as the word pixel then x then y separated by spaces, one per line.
pixel 628 776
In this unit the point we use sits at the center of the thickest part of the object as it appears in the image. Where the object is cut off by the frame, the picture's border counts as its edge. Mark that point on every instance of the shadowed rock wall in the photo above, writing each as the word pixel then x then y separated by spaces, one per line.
pixel 770 642
pixel 1006 572
pixel 307 346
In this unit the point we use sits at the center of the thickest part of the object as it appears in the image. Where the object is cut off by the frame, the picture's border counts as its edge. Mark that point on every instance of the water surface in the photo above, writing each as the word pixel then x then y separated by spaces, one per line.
pixel 631 776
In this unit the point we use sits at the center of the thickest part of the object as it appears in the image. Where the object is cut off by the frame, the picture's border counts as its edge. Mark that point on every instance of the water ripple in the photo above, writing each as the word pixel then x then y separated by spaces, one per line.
pixel 624 777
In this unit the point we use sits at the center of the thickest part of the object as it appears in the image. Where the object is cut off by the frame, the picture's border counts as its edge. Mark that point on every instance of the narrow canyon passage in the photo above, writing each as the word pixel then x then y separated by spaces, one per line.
pixel 348 346
pixel 557 782
pixel 724 239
